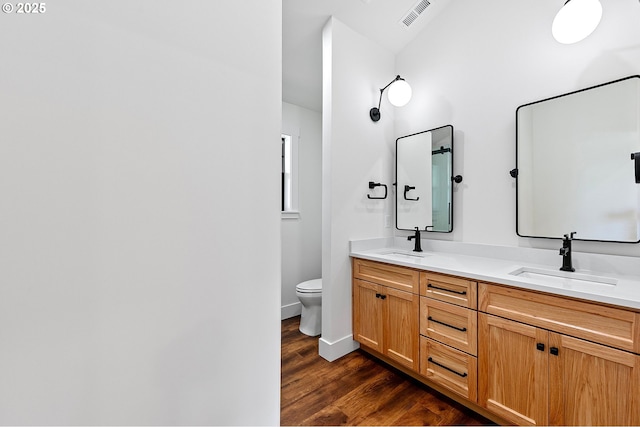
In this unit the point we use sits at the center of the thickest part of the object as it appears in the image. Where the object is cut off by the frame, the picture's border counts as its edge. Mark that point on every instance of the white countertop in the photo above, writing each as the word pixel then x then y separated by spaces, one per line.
pixel 590 285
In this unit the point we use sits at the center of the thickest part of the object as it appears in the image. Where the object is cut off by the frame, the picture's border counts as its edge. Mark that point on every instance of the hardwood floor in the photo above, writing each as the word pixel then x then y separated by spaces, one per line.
pixel 356 389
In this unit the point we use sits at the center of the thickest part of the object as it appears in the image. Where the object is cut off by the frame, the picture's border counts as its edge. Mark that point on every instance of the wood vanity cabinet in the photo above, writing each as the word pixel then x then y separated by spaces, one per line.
pixel 530 375
pixel 385 310
pixel 516 356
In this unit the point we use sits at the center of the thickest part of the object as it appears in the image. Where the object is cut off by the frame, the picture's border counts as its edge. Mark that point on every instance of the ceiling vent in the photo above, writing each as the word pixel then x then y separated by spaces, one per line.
pixel 414 13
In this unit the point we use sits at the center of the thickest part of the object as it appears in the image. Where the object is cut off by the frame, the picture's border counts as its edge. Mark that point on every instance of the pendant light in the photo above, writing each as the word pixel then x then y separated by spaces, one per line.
pixel 576 20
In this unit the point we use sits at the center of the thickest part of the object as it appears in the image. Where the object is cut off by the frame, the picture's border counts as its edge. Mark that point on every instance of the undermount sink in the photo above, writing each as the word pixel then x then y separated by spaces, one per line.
pixel 404 254
pixel 565 279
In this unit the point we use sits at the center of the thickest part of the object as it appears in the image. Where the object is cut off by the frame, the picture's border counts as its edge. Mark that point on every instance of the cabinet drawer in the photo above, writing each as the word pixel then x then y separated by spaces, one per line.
pixel 449 367
pixel 615 327
pixel 454 290
pixel 450 324
pixel 402 278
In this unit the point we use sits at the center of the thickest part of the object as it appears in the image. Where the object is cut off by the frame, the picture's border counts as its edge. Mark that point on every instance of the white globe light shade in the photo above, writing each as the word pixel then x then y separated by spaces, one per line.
pixel 399 93
pixel 576 20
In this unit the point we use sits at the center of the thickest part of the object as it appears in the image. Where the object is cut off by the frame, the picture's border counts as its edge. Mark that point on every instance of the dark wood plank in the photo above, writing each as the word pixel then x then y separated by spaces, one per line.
pixel 356 389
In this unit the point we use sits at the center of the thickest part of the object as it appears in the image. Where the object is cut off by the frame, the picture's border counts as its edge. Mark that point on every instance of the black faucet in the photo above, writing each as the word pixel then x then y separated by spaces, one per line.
pixel 416 236
pixel 565 251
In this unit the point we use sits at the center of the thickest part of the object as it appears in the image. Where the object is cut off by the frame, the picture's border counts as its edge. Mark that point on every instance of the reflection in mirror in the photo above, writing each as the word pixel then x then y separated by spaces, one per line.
pixel 424 164
pixel 574 170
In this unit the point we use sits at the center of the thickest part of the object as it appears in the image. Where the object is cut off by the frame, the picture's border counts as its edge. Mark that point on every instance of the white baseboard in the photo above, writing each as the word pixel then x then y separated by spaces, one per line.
pixel 290 310
pixel 335 350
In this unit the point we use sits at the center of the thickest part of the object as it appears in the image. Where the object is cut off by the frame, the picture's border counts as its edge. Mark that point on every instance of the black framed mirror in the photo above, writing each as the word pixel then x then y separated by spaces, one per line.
pixel 574 169
pixel 424 187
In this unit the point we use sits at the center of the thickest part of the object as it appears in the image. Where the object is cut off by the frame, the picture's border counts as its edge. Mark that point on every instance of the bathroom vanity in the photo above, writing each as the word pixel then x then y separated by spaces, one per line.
pixel 513 341
pixel 504 330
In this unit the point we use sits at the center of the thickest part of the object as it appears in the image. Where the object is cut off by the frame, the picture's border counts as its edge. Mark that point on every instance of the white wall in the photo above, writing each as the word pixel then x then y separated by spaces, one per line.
pixel 138 208
pixel 301 235
pixel 474 65
pixel 355 151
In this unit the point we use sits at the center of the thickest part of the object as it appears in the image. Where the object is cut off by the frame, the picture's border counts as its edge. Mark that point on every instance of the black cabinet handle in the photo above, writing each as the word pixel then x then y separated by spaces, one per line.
pixel 554 351
pixel 540 346
pixel 381 296
pixel 447 325
pixel 430 359
pixel 447 290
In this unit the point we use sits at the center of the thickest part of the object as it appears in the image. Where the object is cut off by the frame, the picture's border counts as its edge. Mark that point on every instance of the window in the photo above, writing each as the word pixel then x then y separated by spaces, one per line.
pixel 289 186
pixel 286 173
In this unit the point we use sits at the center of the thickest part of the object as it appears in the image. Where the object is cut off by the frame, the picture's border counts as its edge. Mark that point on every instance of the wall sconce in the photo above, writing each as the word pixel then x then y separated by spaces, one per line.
pixel 399 94
pixel 576 20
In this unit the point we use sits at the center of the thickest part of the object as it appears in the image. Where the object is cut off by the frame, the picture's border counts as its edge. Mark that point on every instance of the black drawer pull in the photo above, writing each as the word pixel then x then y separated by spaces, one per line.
pixel 446 324
pixel 554 351
pixel 447 290
pixel 430 359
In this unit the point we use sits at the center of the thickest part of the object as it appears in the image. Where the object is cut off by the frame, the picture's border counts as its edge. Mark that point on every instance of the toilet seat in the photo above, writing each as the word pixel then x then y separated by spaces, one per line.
pixel 310 287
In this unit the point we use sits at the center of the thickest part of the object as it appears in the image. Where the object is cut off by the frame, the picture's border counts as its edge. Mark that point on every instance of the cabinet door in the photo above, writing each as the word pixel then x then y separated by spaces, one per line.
pixel 513 375
pixel 401 334
pixel 591 384
pixel 367 314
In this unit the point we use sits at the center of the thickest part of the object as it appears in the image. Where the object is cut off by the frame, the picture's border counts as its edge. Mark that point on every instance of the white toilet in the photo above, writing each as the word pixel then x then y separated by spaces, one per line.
pixel 310 295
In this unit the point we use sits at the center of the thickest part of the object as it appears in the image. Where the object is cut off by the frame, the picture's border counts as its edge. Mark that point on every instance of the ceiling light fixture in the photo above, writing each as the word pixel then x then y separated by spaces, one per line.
pixel 576 20
pixel 399 95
